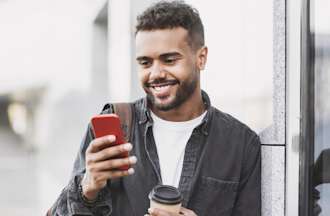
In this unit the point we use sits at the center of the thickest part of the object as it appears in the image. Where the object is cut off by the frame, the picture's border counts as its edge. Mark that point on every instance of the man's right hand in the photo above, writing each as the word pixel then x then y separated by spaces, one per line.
pixel 101 165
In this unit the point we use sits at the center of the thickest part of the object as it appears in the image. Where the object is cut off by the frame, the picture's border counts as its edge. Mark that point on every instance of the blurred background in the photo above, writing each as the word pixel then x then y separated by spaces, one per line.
pixel 60 61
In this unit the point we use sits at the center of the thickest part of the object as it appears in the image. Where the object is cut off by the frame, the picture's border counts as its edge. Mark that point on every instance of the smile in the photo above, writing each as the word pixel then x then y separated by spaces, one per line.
pixel 159 85
pixel 161 88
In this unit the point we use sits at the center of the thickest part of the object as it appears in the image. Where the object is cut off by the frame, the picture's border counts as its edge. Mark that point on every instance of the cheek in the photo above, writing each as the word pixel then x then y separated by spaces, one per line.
pixel 183 72
pixel 143 76
pixel 188 66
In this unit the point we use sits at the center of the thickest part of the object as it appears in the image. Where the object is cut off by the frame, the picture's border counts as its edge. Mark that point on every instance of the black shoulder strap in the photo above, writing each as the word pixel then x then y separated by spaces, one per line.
pixel 125 113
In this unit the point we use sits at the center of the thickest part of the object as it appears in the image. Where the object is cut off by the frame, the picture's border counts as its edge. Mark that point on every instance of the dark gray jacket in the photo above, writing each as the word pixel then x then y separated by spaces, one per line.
pixel 220 175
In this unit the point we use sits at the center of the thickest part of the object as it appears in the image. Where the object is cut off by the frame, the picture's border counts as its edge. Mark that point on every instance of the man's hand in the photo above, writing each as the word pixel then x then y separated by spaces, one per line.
pixel 101 166
pixel 159 212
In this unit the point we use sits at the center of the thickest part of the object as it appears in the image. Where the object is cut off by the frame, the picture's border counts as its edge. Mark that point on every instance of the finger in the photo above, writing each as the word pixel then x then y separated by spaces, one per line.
pixel 160 212
pixel 115 174
pixel 111 164
pixel 187 211
pixel 99 143
pixel 109 152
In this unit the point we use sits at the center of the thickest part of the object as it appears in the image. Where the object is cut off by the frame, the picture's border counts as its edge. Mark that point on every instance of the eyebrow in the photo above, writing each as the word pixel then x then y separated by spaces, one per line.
pixel 171 54
pixel 141 58
pixel 162 56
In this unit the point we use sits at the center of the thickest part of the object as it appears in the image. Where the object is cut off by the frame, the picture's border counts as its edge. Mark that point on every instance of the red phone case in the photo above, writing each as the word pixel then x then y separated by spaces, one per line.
pixel 110 124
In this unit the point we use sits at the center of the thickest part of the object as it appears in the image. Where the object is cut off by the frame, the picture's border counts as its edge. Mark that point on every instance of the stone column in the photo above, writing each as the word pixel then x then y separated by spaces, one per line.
pixel 119 45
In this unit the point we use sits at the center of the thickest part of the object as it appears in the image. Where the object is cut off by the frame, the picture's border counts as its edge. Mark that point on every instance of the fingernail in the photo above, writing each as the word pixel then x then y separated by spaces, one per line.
pixel 130 171
pixel 132 159
pixel 112 138
pixel 150 210
pixel 127 146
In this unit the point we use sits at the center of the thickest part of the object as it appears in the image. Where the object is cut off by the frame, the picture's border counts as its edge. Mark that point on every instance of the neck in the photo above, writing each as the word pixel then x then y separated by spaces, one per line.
pixel 190 109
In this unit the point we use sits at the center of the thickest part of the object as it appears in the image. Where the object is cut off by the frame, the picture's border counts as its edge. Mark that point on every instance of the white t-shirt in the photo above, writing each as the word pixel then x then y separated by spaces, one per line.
pixel 171 139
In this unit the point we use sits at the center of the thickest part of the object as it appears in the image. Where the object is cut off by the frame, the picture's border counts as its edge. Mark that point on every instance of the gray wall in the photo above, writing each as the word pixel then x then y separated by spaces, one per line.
pixel 273 138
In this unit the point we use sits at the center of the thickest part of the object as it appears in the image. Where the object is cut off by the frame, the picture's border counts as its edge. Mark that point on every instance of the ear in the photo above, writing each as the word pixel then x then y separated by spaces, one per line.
pixel 202 58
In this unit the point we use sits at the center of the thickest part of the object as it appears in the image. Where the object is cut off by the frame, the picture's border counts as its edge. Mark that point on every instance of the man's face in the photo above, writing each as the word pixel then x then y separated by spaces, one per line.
pixel 167 67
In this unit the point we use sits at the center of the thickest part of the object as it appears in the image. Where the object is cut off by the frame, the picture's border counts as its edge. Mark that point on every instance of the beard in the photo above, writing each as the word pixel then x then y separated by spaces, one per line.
pixel 184 92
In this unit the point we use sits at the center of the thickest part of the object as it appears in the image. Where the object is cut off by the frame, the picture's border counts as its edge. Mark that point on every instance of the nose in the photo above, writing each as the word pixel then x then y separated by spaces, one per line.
pixel 157 71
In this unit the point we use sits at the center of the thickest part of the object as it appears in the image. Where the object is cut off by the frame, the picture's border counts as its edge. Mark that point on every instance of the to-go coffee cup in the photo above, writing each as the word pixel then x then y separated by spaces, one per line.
pixel 165 197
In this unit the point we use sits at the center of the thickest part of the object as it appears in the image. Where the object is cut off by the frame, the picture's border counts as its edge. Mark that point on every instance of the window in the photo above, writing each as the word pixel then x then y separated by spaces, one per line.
pixel 315 107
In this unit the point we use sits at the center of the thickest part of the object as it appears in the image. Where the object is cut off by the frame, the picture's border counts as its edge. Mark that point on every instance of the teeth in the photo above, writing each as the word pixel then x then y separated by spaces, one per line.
pixel 158 88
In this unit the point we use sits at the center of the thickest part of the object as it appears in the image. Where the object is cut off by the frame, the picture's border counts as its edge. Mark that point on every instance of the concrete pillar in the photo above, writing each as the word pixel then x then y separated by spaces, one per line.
pixel 119 45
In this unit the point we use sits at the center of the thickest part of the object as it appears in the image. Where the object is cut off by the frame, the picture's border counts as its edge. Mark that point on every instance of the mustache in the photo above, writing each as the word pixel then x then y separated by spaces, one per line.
pixel 161 82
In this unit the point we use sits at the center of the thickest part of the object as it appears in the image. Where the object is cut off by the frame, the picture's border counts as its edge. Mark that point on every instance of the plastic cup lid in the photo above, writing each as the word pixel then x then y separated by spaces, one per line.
pixel 165 194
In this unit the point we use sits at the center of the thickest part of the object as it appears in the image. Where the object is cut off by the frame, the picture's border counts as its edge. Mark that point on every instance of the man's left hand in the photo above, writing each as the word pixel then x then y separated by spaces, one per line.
pixel 159 212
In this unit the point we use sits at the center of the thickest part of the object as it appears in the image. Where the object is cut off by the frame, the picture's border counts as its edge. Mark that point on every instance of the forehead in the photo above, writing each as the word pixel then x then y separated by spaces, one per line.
pixel 156 42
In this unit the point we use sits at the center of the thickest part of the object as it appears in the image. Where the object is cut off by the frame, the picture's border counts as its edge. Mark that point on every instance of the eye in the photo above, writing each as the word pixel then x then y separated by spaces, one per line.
pixel 170 60
pixel 144 63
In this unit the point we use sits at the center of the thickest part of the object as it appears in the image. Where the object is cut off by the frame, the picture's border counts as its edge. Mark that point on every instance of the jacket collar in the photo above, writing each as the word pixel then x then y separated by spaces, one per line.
pixel 144 112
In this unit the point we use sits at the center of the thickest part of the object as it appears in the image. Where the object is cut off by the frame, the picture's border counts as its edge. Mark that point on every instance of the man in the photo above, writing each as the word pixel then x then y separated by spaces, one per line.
pixel 178 139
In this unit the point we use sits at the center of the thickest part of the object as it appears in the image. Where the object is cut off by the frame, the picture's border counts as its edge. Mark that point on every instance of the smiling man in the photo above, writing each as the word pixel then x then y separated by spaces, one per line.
pixel 170 71
pixel 178 138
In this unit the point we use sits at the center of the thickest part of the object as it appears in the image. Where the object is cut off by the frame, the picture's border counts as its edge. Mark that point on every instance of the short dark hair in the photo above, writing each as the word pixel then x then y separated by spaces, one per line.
pixel 172 14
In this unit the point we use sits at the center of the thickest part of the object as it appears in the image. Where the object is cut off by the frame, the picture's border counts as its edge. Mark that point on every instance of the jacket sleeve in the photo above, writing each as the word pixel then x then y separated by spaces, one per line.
pixel 70 202
pixel 248 202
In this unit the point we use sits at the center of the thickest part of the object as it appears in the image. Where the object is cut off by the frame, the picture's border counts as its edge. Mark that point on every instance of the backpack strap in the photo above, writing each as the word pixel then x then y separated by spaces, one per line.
pixel 126 115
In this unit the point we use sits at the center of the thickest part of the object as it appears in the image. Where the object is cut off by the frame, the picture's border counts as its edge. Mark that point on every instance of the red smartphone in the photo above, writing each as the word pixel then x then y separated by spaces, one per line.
pixel 109 124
